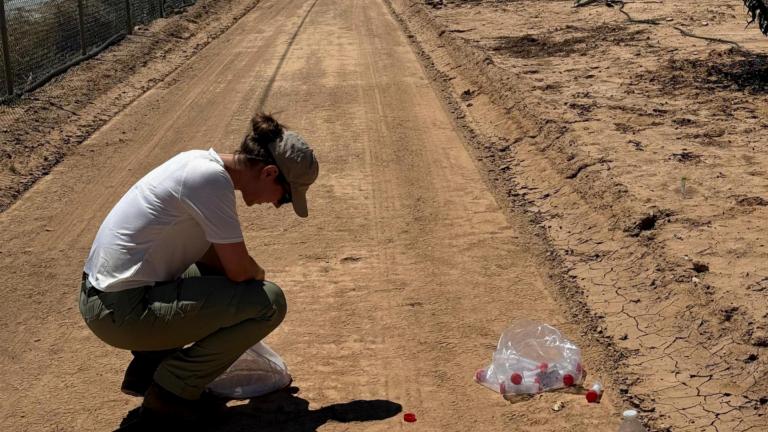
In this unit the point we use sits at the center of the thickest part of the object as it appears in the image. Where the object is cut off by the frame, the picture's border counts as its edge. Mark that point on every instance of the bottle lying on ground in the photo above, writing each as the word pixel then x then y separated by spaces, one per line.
pixel 631 423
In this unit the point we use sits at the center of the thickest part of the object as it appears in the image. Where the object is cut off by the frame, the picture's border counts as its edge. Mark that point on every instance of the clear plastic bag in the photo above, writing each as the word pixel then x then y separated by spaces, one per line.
pixel 257 372
pixel 532 357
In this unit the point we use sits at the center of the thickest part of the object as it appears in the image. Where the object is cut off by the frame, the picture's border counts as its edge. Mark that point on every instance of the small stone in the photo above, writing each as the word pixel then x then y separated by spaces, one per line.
pixel 557 406
pixel 704 23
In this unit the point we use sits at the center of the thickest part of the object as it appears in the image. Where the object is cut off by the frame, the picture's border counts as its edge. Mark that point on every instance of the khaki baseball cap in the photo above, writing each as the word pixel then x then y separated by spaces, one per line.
pixel 298 164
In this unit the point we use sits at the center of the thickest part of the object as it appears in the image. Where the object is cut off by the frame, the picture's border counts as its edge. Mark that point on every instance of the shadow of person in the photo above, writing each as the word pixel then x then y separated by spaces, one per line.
pixel 279 411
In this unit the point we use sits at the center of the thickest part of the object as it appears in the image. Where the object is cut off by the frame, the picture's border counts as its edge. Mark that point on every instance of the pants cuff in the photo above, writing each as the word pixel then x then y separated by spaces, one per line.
pixel 176 386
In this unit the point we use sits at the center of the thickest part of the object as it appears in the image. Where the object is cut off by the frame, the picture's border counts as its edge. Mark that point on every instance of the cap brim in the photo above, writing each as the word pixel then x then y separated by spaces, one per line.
pixel 299 201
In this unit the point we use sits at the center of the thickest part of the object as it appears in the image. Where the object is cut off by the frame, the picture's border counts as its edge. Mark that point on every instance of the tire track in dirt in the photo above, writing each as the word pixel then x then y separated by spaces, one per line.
pixel 271 81
pixel 680 369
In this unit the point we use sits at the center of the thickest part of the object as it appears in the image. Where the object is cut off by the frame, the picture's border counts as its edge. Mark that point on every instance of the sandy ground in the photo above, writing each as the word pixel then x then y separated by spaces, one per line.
pixel 399 283
pixel 634 135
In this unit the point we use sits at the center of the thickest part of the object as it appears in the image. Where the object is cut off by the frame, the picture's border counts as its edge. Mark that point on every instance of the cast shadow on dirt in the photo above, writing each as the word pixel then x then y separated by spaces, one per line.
pixel 280 411
pixel 731 69
pixel 567 41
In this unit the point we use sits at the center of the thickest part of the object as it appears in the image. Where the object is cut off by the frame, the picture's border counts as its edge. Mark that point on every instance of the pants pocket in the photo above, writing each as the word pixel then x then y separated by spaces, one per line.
pixel 91 308
pixel 175 310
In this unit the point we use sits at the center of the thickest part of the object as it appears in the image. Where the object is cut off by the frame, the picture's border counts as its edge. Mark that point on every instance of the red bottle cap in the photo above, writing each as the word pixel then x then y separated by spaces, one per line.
pixel 593 396
pixel 480 375
pixel 516 378
pixel 568 380
pixel 543 366
pixel 409 417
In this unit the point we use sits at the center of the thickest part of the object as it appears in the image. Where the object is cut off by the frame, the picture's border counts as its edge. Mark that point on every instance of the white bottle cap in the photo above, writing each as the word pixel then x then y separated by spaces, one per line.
pixel 630 413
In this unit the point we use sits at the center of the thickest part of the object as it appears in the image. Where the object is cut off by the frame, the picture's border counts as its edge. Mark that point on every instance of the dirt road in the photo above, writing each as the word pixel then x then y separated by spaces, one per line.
pixel 398 284
pixel 629 134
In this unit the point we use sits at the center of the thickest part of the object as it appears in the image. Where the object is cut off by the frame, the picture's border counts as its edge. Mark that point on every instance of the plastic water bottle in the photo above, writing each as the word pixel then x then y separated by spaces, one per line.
pixel 595 393
pixel 631 423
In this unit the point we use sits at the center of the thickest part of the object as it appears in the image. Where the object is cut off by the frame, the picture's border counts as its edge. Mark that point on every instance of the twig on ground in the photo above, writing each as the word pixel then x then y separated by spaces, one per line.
pixel 654 21
pixel 689 34
pixel 621 4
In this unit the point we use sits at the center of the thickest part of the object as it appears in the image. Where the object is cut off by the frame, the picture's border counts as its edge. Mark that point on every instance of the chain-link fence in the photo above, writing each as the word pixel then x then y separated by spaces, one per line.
pixel 43 37
pixel 178 4
pixel 144 11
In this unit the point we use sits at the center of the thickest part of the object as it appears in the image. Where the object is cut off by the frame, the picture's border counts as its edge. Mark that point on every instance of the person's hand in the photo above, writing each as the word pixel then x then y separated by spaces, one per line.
pixel 238 265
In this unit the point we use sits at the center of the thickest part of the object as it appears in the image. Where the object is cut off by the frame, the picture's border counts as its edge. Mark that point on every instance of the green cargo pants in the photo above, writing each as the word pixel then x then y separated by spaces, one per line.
pixel 215 319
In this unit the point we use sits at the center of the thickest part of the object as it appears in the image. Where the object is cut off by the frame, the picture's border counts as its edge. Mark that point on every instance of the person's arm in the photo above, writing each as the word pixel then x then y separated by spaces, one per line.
pixel 236 263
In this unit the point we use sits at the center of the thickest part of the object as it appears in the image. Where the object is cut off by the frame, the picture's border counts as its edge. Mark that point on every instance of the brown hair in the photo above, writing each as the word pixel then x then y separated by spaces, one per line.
pixel 255 146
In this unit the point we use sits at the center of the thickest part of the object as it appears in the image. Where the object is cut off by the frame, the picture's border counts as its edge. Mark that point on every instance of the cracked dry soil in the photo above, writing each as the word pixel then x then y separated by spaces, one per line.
pixel 641 153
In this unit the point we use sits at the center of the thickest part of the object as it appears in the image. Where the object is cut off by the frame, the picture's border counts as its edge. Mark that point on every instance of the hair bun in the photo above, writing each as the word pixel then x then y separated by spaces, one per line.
pixel 265 129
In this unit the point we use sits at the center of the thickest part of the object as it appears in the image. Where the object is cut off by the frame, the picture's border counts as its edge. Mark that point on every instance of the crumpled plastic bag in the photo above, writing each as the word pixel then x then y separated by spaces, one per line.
pixel 257 372
pixel 532 357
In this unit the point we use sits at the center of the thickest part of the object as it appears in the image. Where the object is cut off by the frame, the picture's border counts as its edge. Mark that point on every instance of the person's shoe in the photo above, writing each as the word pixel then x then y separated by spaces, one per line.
pixel 213 404
pixel 139 373
pixel 161 405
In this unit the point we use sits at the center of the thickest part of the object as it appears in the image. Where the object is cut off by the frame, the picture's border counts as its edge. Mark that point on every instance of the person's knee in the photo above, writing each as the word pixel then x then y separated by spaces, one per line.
pixel 264 301
pixel 277 299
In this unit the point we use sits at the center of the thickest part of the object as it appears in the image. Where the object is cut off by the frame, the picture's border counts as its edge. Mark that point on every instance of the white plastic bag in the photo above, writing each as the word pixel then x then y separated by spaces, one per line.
pixel 257 372
pixel 532 357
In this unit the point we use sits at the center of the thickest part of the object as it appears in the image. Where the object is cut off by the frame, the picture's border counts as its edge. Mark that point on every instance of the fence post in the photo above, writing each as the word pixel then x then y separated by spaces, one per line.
pixel 6 53
pixel 81 23
pixel 128 20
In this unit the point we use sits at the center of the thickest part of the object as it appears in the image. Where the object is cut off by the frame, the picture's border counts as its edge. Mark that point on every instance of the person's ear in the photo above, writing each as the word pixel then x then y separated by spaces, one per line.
pixel 269 172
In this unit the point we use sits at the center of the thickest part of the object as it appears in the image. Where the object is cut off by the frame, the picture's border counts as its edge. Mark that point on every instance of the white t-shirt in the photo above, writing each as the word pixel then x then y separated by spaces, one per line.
pixel 165 223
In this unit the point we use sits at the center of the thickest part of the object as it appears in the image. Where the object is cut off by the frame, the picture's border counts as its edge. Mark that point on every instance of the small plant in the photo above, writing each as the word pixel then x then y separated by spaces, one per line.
pixel 758 11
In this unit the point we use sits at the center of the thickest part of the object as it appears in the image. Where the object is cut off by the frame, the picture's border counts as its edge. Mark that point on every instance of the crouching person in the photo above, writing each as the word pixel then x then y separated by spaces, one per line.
pixel 170 278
